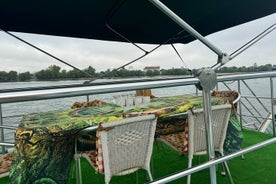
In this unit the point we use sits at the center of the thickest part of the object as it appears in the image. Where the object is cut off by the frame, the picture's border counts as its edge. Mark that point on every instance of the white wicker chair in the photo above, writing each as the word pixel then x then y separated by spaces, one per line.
pixel 126 146
pixel 197 134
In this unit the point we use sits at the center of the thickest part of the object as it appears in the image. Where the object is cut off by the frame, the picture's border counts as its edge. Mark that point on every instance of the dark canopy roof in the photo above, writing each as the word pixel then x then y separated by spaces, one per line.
pixel 138 20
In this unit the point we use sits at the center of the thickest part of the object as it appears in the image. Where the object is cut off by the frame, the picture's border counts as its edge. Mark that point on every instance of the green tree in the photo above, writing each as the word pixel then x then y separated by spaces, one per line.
pixel 51 73
pixel 12 76
pixel 54 71
pixel 267 67
pixel 122 73
pixel 3 76
pixel 26 76
pixel 43 75
pixel 63 74
pixel 90 70
pixel 138 73
pixel 156 72
pixel 175 71
pixel 149 73
pixel 75 74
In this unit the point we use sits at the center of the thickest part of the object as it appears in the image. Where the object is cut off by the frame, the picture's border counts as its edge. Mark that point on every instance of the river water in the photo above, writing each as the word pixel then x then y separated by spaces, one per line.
pixel 12 112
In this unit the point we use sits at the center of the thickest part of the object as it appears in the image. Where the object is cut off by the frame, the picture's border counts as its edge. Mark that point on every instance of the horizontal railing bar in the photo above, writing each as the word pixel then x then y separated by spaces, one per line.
pixel 8 127
pixel 249 124
pixel 7 144
pixel 249 116
pixel 18 96
pixel 13 116
pixel 261 97
pixel 91 84
pixel 244 76
pixel 8 97
pixel 214 162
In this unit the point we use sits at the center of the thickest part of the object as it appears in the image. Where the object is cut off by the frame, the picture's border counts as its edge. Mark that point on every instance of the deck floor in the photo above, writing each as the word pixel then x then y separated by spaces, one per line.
pixel 257 167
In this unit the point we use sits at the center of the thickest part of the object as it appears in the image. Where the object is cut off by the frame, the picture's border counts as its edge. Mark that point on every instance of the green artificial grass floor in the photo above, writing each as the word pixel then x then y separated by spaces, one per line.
pixel 258 167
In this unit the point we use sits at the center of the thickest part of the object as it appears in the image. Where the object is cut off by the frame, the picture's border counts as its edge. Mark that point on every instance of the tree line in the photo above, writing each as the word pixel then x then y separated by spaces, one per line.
pixel 54 72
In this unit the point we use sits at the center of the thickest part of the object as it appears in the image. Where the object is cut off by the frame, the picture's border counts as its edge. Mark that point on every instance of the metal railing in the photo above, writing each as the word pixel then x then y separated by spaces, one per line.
pixel 214 162
pixel 23 95
pixel 254 111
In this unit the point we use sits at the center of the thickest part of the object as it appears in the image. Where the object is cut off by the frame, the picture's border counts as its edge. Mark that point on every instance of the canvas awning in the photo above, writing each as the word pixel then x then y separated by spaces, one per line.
pixel 138 20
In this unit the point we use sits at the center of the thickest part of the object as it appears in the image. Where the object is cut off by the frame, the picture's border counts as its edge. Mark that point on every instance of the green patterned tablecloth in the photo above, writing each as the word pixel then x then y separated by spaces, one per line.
pixel 44 142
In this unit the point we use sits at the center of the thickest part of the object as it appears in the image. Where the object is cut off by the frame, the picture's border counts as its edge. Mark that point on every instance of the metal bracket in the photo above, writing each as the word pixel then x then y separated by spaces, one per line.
pixel 208 79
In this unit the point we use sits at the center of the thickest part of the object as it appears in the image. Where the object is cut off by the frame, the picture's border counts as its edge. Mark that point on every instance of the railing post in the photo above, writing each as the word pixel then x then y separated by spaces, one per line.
pixel 272 106
pixel 240 104
pixel 2 130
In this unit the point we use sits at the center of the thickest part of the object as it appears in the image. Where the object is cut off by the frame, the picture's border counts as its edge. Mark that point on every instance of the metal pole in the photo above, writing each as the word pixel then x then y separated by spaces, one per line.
pixel 78 165
pixel 253 41
pixel 209 132
pixel 41 94
pixel 215 162
pixel 272 106
pixel 2 130
pixel 186 26
pixel 240 107
pixel 4 144
pixel 208 81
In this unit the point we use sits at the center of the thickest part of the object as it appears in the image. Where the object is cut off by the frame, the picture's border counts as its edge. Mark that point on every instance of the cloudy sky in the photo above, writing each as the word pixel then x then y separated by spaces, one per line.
pixel 102 55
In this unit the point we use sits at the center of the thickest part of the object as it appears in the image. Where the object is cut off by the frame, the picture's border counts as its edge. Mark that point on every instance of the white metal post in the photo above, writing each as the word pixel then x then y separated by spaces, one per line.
pixel 208 81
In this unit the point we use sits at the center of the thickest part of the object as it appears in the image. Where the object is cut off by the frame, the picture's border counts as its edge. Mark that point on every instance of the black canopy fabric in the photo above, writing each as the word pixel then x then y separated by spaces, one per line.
pixel 137 20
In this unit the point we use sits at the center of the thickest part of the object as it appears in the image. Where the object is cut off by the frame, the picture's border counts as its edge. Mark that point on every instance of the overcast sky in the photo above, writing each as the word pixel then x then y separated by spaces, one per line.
pixel 103 55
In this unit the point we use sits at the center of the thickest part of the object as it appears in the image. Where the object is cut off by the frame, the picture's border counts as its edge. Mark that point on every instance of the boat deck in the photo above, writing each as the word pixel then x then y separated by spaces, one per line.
pixel 257 167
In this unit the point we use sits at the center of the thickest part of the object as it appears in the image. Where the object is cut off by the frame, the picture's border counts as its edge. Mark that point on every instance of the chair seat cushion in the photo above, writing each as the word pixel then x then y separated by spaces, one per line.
pixel 170 125
pixel 5 164
pixel 91 156
pixel 177 141
pixel 95 156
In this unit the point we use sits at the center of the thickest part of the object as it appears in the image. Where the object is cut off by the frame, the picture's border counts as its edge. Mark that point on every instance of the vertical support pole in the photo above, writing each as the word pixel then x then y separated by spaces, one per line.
pixel 208 81
pixel 209 132
pixel 2 129
pixel 78 166
pixel 272 106
pixel 240 107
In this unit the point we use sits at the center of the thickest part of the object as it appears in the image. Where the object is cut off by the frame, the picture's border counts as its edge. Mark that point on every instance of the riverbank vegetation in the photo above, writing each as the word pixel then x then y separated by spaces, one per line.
pixel 54 72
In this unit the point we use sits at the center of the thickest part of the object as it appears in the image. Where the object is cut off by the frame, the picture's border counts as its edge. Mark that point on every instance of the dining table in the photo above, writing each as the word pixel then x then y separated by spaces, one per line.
pixel 44 142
